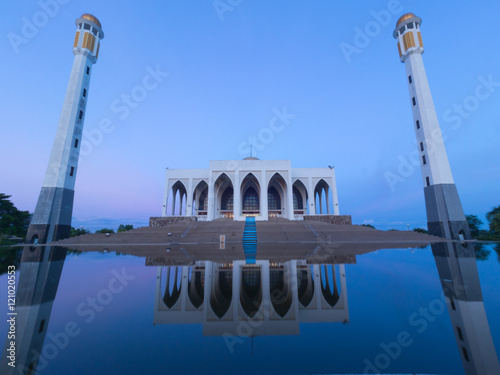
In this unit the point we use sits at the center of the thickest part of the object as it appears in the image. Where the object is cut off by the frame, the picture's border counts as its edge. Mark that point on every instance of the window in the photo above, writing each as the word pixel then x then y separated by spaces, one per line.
pixel 94 31
pixel 273 199
pixel 227 199
pixel 418 124
pixel 42 324
pixel 459 331
pixel 423 160
pixel 410 25
pixel 402 30
pixel 297 200
pixel 79 25
pixel 466 355
pixel 428 182
pixel 86 26
pixel 84 93
pixel 88 70
pixel 414 101
pixel 202 201
pixel 421 146
pixel 76 143
pixel 251 200
pixel 72 171
pixel 409 79
pixel 80 115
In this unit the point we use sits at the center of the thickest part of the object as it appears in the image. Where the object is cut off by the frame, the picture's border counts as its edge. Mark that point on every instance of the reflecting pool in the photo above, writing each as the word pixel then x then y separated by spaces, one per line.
pixel 421 310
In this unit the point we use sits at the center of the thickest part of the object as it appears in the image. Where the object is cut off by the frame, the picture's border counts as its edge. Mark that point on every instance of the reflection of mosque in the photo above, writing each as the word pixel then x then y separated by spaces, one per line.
pixel 456 264
pixel 272 297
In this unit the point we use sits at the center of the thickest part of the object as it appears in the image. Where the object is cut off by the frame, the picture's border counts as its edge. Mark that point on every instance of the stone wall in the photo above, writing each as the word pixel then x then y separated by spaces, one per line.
pixel 332 219
pixel 167 220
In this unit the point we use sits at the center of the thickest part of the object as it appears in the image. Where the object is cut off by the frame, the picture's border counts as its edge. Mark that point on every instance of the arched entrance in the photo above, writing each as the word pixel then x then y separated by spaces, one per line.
pixel 276 196
pixel 250 193
pixel 224 196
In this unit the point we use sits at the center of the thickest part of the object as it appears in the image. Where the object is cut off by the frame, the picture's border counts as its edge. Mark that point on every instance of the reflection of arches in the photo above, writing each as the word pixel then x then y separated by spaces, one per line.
pixel 250 193
pixel 305 285
pixel 281 297
pixel 172 285
pixel 196 287
pixel 330 293
pixel 223 188
pixel 200 199
pixel 222 292
pixel 300 198
pixel 322 191
pixel 276 195
pixel 251 291
pixel 177 198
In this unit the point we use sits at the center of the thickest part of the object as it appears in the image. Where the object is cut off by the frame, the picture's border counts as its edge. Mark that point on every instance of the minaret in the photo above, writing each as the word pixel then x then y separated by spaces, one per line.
pixel 52 217
pixel 445 216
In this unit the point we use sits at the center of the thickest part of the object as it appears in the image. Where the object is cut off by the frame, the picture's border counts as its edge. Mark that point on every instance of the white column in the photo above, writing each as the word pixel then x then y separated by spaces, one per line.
pixel 312 196
pixel 289 197
pixel 263 204
pixel 165 199
pixel 211 200
pixel 327 195
pixel 237 195
pixel 320 194
pixel 189 198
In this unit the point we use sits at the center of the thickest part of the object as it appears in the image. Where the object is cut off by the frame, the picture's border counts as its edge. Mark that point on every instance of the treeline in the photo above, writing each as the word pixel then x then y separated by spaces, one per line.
pixel 121 228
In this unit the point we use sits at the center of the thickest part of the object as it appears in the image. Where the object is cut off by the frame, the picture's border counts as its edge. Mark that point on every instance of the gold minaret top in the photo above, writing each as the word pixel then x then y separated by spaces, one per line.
pixel 92 18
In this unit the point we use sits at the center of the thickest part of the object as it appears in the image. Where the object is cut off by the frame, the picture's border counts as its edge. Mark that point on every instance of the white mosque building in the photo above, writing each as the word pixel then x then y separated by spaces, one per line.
pixel 237 189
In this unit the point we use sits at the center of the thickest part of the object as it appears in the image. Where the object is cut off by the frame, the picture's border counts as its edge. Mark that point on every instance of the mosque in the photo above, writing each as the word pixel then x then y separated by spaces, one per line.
pixel 250 187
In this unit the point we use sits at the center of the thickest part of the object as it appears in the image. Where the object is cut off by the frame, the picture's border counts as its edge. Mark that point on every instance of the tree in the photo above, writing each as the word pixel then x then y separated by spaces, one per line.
pixel 420 230
pixel 474 225
pixel 123 228
pixel 482 252
pixel 12 221
pixel 368 226
pixel 105 230
pixel 78 232
pixel 494 218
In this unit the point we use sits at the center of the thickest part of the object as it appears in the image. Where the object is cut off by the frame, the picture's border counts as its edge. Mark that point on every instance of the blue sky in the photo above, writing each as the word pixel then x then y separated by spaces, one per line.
pixel 229 68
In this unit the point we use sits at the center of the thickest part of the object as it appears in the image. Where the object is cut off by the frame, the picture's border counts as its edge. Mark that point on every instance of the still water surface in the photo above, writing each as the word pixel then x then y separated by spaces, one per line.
pixel 385 313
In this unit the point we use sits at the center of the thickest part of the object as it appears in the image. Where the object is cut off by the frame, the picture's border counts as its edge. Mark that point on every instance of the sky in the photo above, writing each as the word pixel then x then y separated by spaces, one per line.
pixel 224 68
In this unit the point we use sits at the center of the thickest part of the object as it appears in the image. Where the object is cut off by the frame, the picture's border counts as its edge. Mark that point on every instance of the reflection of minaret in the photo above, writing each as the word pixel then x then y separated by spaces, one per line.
pixel 39 276
pixel 52 217
pixel 445 216
pixel 457 269
pixel 224 297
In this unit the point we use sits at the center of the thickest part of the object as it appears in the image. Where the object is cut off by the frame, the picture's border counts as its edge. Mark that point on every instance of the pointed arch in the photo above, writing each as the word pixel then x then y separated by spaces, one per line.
pixel 329 287
pixel 322 195
pixel 172 280
pixel 277 195
pixel 300 198
pixel 222 292
pixel 251 291
pixel 250 195
pixel 305 284
pixel 177 193
pixel 281 296
pixel 200 199
pixel 196 286
pixel 224 195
